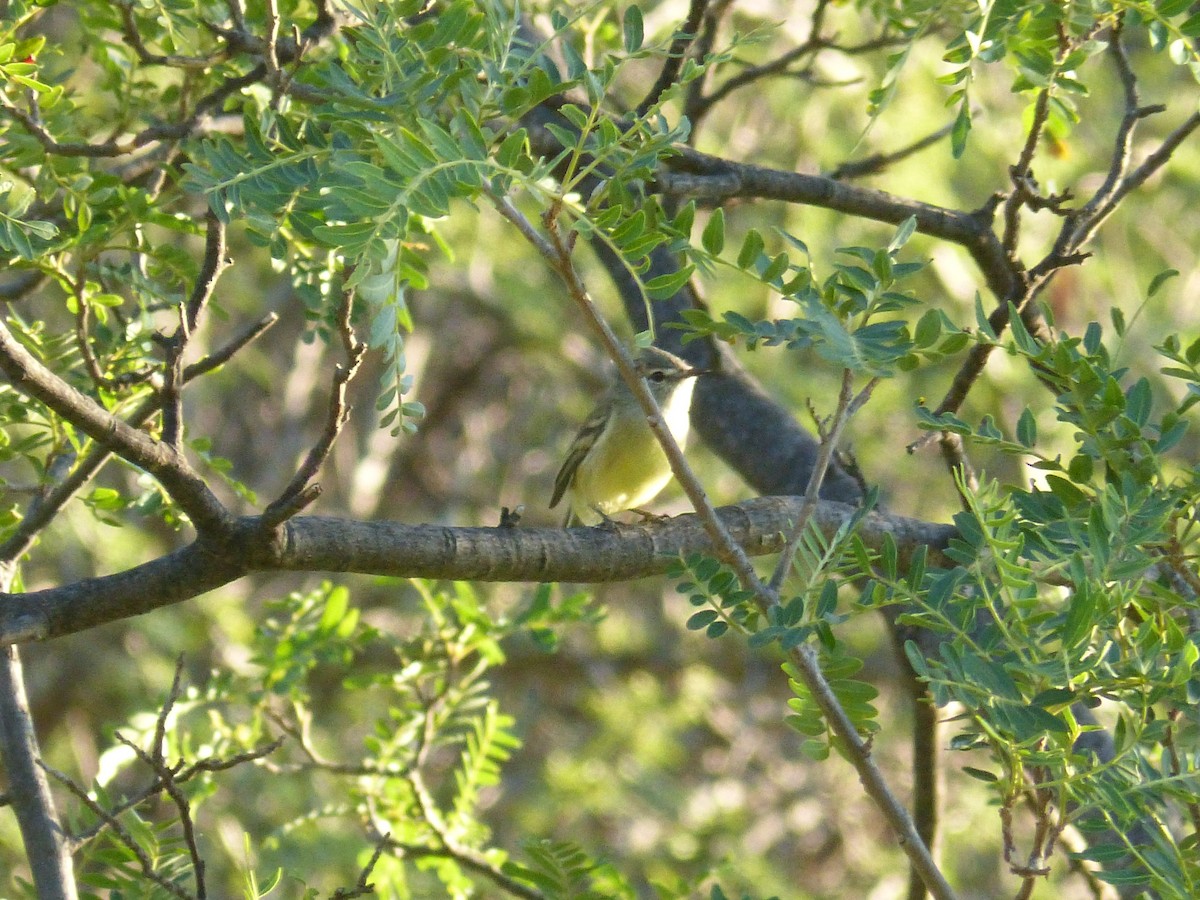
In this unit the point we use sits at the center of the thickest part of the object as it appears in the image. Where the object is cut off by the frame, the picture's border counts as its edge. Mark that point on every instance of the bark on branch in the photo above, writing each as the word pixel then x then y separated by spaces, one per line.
pixel 324 544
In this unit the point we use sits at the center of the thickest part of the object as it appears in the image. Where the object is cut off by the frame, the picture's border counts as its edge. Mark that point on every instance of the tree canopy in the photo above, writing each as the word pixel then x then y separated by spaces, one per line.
pixel 303 301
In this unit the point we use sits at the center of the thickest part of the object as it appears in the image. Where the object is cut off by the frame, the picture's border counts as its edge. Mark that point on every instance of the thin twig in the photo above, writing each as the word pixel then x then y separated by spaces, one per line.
pixel 215 262
pixel 675 55
pixel 166 776
pixel 207 764
pixel 871 165
pixel 452 848
pixel 1122 145
pixel 300 734
pixel 781 65
pixel 475 862
pixel 299 493
pixel 160 725
pixel 1019 172
pixel 219 357
pixel 694 106
pixel 120 831
pixel 361 887
pixel 848 403
pixel 83 315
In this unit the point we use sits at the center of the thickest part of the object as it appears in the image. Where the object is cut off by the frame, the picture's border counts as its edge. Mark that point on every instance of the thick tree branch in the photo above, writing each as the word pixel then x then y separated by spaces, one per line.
pixel 322 544
pixel 46 847
pixel 695 174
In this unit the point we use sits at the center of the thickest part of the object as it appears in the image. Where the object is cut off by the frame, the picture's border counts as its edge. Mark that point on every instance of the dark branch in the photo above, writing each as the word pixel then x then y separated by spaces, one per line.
pixel 215 262
pixel 133 37
pixel 675 55
pixel 695 174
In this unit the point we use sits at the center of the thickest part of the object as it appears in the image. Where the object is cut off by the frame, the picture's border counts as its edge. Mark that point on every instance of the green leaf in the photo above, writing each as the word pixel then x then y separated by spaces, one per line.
pixel 980 774
pixel 1138 402
pixel 990 675
pixel 336 604
pixel 716 629
pixel 1118 320
pixel 960 129
pixel 1081 613
pixel 981 319
pixel 633 29
pixel 1080 468
pixel 1027 428
pixel 713 238
pixel 1021 336
pixel 1065 490
pixel 928 330
pixel 663 287
pixel 906 230
pixel 1159 280
pixel 752 248
pixel 1191 26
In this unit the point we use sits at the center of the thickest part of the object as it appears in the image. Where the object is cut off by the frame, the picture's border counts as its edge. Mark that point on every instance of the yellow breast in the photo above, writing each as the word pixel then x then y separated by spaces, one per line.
pixel 626 467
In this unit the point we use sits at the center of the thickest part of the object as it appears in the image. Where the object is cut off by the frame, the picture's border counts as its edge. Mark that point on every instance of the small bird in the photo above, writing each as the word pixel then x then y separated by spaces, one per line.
pixel 616 462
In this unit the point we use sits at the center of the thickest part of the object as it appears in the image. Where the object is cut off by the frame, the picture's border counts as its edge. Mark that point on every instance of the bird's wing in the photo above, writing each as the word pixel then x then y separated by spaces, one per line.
pixel 584 440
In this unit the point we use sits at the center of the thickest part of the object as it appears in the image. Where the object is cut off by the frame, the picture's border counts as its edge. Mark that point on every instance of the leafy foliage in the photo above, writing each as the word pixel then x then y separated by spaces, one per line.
pixel 418 774
pixel 1072 597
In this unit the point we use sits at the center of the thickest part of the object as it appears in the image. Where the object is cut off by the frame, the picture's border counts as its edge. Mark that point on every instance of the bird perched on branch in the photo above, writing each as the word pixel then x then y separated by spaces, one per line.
pixel 616 462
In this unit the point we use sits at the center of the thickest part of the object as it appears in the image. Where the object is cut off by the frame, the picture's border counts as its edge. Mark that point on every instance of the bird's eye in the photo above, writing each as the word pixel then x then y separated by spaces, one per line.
pixel 657 375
